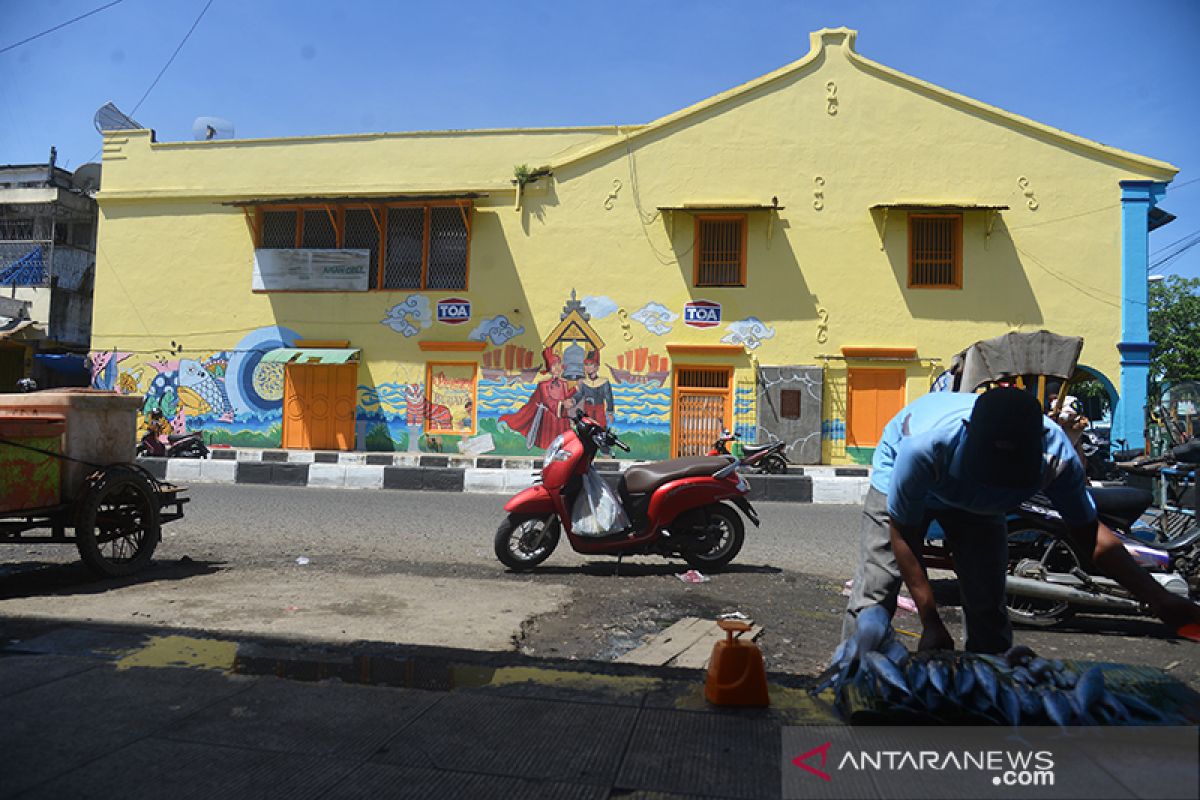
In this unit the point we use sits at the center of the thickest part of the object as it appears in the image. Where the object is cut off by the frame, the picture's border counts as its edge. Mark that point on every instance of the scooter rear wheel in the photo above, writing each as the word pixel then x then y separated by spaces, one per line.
pixel 730 533
pixel 523 540
pixel 775 465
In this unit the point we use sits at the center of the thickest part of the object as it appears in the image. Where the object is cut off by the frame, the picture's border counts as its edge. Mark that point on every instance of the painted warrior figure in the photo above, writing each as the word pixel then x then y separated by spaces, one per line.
pixel 595 392
pixel 547 412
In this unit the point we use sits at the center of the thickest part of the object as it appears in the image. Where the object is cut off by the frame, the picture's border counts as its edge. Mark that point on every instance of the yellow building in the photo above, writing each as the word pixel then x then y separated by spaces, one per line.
pixel 801 254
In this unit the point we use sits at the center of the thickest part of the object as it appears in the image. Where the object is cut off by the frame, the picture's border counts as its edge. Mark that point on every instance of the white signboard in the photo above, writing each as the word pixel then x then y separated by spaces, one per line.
pixel 312 270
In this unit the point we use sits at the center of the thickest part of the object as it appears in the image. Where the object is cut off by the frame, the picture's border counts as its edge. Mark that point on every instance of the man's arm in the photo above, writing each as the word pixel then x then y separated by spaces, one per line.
pixel 1109 556
pixel 906 546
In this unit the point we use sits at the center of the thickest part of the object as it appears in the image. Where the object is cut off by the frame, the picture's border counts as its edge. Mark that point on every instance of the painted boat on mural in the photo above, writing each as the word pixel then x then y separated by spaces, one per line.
pixel 640 366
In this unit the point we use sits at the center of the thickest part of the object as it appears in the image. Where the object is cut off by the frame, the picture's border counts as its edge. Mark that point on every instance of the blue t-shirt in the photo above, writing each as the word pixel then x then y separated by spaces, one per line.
pixel 917 466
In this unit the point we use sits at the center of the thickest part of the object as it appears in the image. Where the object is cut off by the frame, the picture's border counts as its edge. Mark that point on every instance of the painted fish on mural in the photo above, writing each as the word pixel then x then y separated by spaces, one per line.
pixel 200 392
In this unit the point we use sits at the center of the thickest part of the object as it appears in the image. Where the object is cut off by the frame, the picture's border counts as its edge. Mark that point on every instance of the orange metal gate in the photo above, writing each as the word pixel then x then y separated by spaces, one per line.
pixel 701 408
pixel 318 406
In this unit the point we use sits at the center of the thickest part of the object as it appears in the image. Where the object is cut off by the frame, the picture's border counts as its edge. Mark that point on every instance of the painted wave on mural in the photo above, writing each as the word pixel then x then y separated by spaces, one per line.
pixel 636 404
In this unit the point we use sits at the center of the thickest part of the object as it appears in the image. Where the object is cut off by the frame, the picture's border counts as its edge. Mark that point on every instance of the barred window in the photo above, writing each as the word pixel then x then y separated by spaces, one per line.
pixel 720 248
pixel 447 249
pixel 320 232
pixel 405 257
pixel 278 230
pixel 935 251
pixel 412 246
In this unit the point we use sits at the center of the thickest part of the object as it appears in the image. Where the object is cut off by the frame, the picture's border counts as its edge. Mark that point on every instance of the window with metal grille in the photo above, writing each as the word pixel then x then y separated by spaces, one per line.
pixel 789 403
pixel 278 230
pixel 935 251
pixel 359 232
pixel 404 257
pixel 320 230
pixel 411 246
pixel 700 378
pixel 720 248
pixel 447 249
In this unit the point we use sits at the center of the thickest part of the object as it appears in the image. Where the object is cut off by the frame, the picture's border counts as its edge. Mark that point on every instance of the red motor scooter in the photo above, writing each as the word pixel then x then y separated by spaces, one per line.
pixel 768 458
pixel 676 508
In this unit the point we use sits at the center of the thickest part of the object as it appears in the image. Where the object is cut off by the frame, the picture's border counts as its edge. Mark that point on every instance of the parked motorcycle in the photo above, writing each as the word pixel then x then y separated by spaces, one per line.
pixel 763 458
pixel 1047 583
pixel 177 445
pixel 676 508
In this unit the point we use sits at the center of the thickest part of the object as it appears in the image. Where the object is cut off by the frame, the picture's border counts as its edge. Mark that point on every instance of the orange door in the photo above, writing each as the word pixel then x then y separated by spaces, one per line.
pixel 701 408
pixel 876 395
pixel 318 406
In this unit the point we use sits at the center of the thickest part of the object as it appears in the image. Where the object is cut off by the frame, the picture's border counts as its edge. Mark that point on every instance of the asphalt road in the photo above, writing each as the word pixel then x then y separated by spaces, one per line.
pixel 419 568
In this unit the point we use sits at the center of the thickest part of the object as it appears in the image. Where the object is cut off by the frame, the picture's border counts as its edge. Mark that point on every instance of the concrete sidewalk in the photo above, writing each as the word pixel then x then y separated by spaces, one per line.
pixel 453 473
pixel 110 712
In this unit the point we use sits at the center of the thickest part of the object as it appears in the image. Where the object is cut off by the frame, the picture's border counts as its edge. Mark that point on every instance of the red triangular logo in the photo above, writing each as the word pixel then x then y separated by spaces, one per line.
pixel 824 751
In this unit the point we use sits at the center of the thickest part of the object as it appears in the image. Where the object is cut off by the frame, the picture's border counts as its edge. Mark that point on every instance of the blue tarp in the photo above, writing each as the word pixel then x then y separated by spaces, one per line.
pixel 65 363
pixel 28 270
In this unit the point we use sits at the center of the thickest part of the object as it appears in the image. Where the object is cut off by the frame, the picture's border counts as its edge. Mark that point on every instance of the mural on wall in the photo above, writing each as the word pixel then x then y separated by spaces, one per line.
pixel 230 395
pixel 655 317
pixel 749 333
pixel 410 317
pixel 547 412
pixel 451 403
pixel 496 330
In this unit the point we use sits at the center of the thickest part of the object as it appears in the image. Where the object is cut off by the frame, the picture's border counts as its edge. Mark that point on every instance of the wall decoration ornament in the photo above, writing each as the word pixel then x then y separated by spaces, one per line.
pixel 254 388
pixel 749 332
pixel 1030 200
pixel 611 200
pixel 410 317
pixel 623 317
pixel 818 193
pixel 600 306
pixel 656 318
pixel 831 101
pixel 822 325
pixel 496 330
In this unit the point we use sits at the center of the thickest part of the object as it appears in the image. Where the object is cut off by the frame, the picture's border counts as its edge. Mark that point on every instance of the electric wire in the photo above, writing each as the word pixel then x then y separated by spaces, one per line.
pixel 15 45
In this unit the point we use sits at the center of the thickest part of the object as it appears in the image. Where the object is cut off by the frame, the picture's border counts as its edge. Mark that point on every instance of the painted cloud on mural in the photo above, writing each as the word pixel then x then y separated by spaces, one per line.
pixel 599 306
pixel 656 317
pixel 411 316
pixel 497 330
pixel 748 332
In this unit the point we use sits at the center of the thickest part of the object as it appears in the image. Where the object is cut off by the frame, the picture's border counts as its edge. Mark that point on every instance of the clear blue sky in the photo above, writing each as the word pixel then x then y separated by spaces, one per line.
pixel 1122 73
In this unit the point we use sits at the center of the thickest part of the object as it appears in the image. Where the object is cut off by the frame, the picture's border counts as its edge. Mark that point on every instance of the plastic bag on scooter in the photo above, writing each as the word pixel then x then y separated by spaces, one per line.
pixel 597 510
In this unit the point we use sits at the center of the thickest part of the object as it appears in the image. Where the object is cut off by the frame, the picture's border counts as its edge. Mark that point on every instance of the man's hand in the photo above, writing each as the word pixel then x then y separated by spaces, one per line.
pixel 1176 611
pixel 934 636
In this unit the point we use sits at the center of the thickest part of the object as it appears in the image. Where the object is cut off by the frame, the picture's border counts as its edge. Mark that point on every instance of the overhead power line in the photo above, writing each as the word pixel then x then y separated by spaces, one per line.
pixel 60 26
pixel 162 71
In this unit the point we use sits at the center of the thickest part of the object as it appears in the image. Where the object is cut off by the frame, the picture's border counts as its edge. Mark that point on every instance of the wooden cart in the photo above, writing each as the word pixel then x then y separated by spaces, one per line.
pixel 112 512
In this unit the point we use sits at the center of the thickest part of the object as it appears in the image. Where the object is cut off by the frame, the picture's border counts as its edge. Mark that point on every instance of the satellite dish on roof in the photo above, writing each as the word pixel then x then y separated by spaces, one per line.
pixel 87 178
pixel 110 118
pixel 205 128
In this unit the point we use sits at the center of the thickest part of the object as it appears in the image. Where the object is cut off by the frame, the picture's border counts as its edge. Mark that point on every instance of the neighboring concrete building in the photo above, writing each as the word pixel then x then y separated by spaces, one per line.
pixel 801 254
pixel 47 263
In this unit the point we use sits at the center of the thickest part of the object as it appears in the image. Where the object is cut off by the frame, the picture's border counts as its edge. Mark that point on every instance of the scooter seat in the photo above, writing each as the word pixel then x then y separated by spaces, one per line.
pixel 1125 503
pixel 175 437
pixel 751 449
pixel 647 477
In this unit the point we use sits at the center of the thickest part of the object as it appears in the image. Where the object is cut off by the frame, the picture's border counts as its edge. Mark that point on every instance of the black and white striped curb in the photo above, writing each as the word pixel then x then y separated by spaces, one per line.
pixel 443 473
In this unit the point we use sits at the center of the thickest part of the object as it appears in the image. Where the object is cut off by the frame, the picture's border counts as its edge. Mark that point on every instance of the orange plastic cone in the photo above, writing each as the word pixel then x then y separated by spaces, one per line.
pixel 736 675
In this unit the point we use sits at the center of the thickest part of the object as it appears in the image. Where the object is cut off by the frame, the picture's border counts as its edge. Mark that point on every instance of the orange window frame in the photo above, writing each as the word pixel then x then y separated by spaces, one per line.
pixel 726 392
pixel 956 243
pixel 701 219
pixel 337 212
pixel 429 367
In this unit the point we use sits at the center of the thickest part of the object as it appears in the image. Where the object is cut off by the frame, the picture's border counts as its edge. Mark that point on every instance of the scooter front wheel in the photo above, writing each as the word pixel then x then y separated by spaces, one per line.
pixel 525 540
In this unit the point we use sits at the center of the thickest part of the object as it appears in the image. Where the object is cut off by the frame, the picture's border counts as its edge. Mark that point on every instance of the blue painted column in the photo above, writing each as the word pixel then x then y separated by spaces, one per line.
pixel 1129 418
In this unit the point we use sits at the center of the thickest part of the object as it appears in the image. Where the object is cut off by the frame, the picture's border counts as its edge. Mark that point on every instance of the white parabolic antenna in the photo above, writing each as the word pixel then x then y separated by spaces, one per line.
pixel 211 128
pixel 110 118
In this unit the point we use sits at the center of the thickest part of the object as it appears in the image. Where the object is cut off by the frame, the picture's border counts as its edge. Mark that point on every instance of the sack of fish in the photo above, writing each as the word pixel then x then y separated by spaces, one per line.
pixel 876 680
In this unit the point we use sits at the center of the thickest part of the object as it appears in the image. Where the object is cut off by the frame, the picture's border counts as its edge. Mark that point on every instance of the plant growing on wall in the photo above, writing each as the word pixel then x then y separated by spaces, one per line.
pixel 522 173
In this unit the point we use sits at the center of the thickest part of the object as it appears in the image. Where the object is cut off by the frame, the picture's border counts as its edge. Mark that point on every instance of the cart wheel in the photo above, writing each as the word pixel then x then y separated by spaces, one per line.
pixel 117 526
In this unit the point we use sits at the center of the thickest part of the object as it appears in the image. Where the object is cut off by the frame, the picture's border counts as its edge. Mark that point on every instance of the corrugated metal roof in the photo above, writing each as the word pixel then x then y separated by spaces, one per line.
pixel 311 355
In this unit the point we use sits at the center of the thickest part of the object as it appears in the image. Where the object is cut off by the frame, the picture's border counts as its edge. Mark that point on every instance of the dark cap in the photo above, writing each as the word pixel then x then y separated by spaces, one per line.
pixel 1003 445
